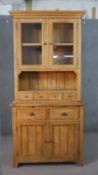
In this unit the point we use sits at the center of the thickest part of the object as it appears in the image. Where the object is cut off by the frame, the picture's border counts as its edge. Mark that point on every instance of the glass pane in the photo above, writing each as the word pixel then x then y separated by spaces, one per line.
pixel 63 33
pixel 31 33
pixel 63 55
pixel 31 55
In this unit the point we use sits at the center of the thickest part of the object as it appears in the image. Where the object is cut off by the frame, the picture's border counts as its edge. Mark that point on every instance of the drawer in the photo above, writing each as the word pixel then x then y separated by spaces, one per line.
pixel 64 113
pixel 70 95
pixel 40 96
pixel 32 114
pixel 25 96
pixel 54 96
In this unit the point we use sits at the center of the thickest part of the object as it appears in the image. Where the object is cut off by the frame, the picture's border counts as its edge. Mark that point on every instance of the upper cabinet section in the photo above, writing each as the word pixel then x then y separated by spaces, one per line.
pixel 47 39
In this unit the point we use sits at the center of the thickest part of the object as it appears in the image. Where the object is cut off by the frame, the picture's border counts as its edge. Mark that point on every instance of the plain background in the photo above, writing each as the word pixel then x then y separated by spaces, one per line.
pixel 89 73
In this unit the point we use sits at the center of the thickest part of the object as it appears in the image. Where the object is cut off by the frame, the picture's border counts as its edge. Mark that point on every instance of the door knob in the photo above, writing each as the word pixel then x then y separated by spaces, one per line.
pixel 45 43
pixel 32 114
pixel 64 114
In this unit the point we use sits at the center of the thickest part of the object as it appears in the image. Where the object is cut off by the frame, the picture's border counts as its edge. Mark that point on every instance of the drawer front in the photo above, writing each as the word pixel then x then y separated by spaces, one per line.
pixel 64 113
pixel 25 96
pixel 32 114
pixel 70 95
pixel 54 96
pixel 40 96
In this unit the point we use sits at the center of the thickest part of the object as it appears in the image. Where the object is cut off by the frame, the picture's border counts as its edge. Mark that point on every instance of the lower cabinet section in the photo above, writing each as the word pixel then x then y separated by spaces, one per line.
pixel 47 139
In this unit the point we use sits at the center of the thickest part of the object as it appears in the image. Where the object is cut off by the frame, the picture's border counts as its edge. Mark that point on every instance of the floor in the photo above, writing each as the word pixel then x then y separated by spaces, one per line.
pixel 90 161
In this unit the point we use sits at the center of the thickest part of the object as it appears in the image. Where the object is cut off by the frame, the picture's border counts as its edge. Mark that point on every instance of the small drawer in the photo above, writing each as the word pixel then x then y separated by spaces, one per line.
pixel 40 96
pixel 32 114
pixel 62 113
pixel 54 96
pixel 70 95
pixel 25 96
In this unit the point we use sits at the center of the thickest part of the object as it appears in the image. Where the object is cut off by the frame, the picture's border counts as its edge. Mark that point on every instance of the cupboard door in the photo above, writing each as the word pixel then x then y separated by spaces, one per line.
pixel 64 139
pixel 31 43
pixel 30 140
pixel 62 42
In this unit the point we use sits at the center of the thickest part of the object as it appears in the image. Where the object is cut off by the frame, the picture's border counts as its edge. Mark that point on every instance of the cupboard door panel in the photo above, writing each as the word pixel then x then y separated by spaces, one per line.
pixel 62 42
pixel 31 141
pixel 64 140
pixel 32 42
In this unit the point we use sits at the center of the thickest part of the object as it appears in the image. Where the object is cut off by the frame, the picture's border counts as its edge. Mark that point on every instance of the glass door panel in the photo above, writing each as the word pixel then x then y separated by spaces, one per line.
pixel 31 40
pixel 63 43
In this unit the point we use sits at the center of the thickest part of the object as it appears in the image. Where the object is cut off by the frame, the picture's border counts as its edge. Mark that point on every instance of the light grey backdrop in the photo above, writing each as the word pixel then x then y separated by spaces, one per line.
pixel 89 73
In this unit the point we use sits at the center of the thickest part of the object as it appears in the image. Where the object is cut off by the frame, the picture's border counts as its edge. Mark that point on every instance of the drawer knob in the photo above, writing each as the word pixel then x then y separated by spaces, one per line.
pixel 47 141
pixel 55 96
pixel 26 96
pixel 69 96
pixel 64 114
pixel 45 43
pixel 32 114
pixel 41 96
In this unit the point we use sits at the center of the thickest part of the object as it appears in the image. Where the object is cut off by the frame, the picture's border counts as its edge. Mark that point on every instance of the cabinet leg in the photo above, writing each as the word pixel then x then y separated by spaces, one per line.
pixel 15 164
pixel 79 162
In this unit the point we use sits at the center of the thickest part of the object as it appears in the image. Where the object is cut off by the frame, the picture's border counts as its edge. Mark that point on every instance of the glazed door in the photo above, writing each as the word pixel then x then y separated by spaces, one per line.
pixel 64 139
pixel 63 43
pixel 30 142
pixel 31 43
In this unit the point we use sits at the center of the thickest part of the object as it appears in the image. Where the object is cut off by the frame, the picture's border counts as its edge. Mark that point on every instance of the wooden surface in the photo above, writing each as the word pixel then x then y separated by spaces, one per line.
pixel 47 110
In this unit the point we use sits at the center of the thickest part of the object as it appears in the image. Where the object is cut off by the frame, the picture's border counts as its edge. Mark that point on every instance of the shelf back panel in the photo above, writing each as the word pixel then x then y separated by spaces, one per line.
pixel 47 81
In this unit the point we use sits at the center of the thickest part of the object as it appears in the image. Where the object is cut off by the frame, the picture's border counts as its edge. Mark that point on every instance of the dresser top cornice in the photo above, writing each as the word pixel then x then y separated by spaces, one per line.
pixel 48 13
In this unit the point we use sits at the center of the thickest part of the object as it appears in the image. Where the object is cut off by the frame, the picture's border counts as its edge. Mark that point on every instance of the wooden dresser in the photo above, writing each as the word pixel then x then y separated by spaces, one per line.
pixel 47 113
